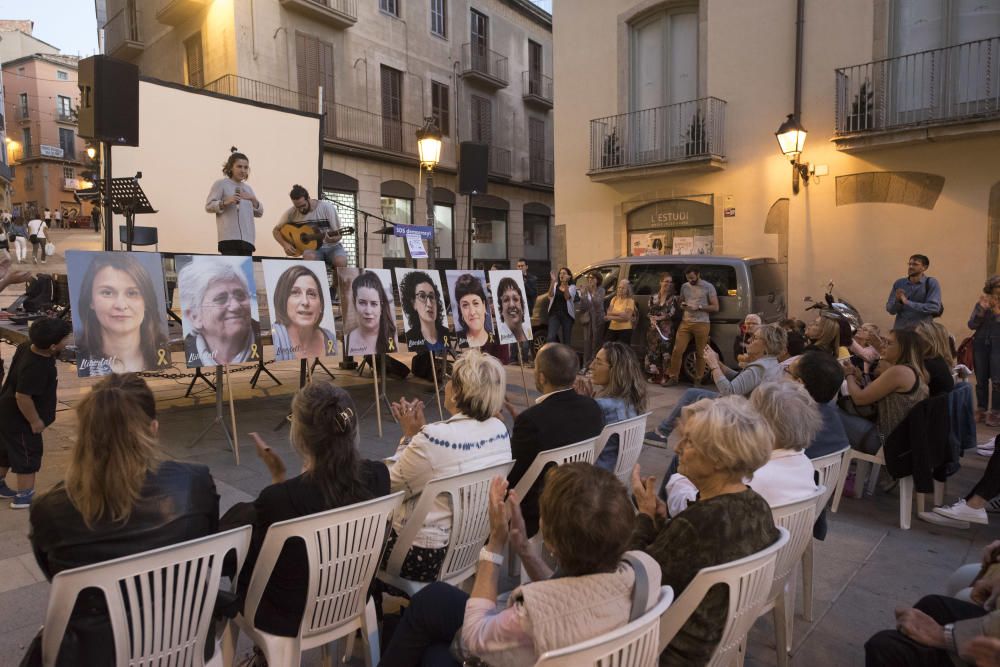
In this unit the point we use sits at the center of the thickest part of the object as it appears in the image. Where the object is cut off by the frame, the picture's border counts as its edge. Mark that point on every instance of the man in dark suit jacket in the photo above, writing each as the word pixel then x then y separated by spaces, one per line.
pixel 559 417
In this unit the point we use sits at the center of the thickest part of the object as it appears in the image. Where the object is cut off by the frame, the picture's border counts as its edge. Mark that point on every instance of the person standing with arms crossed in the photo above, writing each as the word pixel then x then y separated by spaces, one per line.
pixel 698 300
pixel 235 206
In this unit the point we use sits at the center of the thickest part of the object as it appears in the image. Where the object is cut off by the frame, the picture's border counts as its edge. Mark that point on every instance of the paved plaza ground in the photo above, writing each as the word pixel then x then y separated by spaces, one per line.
pixel 865 568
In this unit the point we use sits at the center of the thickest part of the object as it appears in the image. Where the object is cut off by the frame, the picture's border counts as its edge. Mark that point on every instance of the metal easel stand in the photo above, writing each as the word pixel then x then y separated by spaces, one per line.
pixel 261 368
pixel 319 364
pixel 198 375
pixel 366 361
pixel 219 419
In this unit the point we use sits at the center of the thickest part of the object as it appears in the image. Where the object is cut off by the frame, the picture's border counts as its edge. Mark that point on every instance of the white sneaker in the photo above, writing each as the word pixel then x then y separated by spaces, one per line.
pixel 986 447
pixel 962 512
pixel 938 520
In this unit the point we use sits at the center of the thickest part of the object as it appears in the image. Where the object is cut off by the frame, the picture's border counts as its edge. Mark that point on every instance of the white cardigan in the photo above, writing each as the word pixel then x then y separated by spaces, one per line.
pixel 459 444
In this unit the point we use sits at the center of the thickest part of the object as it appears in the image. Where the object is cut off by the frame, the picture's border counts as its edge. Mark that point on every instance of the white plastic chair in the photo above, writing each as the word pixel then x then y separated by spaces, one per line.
pixel 798 519
pixel 828 473
pixel 160 602
pixel 632 645
pixel 749 581
pixel 578 452
pixel 630 435
pixel 343 547
pixel 469 493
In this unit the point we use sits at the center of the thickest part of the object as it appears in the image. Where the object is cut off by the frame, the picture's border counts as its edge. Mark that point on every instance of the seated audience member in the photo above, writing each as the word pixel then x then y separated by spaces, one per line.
pixel 620 392
pixel 559 417
pixel 899 387
pixel 119 498
pixel 471 439
pixel 866 348
pixel 823 334
pixel 822 377
pixel 939 356
pixel 788 475
pixel 324 432
pixel 944 631
pixel 972 508
pixel 749 325
pixel 796 336
pixel 586 522
pixel 767 344
pixel 722 443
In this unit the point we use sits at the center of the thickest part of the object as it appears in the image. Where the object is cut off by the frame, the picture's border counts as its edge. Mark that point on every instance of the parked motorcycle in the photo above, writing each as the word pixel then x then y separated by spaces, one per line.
pixel 835 306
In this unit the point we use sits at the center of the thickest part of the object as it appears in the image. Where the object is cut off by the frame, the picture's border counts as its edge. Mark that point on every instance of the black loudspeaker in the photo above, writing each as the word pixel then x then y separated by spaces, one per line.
pixel 109 101
pixel 473 166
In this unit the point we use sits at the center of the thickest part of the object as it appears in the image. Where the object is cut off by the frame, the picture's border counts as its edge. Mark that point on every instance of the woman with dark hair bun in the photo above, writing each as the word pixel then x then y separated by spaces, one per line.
pixel 235 206
pixel 324 433
pixel 424 310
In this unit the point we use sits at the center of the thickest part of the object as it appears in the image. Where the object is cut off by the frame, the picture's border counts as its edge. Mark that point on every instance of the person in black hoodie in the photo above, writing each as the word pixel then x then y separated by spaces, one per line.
pixel 559 417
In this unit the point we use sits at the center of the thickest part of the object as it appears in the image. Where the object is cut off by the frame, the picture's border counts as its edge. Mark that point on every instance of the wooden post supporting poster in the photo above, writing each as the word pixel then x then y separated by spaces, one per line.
pixel 378 404
pixel 232 415
pixel 524 380
pixel 437 391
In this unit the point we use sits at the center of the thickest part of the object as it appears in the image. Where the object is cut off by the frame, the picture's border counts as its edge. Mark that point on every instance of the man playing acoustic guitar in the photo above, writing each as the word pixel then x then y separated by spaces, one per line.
pixel 306 211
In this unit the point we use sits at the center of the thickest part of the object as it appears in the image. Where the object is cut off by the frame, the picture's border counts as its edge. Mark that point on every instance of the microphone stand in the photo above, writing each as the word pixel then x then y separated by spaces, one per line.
pixel 364 222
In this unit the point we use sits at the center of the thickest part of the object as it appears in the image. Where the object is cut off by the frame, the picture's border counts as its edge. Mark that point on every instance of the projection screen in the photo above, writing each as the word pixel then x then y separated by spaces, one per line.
pixel 184 138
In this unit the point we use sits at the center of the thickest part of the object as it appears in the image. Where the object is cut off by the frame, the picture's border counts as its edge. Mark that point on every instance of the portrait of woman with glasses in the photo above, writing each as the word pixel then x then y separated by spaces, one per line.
pixel 423 309
pixel 218 310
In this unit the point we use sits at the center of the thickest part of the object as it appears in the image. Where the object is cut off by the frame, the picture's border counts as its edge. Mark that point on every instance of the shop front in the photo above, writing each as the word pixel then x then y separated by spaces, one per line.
pixel 672 227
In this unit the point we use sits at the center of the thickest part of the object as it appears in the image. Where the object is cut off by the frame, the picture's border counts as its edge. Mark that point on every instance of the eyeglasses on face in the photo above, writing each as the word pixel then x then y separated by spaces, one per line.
pixel 425 297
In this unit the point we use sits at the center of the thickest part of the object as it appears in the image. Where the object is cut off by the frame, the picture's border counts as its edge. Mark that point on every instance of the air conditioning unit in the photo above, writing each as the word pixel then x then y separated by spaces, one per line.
pixel 69 184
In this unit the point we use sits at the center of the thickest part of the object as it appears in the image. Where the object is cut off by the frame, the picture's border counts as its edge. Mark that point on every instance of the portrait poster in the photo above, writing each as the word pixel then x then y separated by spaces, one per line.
pixel 219 313
pixel 470 307
pixel 703 245
pixel 425 320
pixel 683 245
pixel 119 311
pixel 510 307
pixel 368 310
pixel 298 300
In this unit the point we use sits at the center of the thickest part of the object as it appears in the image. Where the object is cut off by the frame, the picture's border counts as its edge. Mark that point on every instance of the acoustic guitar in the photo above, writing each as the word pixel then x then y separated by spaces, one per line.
pixel 308 235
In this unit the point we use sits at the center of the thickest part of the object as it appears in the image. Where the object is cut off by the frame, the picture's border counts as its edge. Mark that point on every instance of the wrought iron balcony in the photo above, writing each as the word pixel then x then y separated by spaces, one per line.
pixel 258 91
pixel 23 113
pixel 537 171
pixel 677 133
pixel 537 89
pixel 175 12
pixel 64 116
pixel 484 65
pixel 957 84
pixel 364 128
pixel 499 162
pixel 335 13
pixel 122 38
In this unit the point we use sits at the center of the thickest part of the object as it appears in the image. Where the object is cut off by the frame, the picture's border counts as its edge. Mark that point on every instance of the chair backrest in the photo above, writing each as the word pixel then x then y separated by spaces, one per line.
pixel 797 518
pixel 749 581
pixel 633 645
pixel 140 235
pixel 630 436
pixel 470 521
pixel 343 548
pixel 578 452
pixel 827 474
pixel 160 602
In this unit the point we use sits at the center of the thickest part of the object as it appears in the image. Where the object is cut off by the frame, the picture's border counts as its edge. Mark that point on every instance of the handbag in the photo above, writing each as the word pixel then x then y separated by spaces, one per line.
pixel 966 355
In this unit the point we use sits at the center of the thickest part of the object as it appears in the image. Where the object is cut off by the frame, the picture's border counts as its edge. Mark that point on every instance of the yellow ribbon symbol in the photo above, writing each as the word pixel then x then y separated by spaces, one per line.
pixel 253 351
pixel 329 346
pixel 161 357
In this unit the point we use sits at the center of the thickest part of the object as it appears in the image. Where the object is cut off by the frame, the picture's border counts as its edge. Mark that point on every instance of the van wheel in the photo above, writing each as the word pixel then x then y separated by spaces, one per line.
pixel 690 364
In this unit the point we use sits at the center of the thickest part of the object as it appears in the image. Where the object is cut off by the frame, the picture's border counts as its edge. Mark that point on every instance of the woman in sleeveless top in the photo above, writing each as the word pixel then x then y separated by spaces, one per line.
pixel 899 387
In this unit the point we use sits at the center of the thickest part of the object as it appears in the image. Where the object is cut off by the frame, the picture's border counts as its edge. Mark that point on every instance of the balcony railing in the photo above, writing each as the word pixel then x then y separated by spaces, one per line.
pixel 122 38
pixel 64 116
pixel 537 88
pixel 940 86
pixel 23 113
pixel 336 13
pixel 365 128
pixel 674 133
pixel 258 91
pixel 537 171
pixel 485 65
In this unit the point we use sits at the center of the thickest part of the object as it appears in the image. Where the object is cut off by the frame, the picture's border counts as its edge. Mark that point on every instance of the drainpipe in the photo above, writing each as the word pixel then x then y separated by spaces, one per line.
pixel 799 21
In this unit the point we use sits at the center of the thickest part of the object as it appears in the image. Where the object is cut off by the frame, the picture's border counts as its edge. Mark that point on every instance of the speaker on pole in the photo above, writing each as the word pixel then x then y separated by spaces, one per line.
pixel 109 101
pixel 473 167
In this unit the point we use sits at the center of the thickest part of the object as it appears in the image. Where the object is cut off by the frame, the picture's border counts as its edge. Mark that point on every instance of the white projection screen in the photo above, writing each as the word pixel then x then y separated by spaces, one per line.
pixel 184 138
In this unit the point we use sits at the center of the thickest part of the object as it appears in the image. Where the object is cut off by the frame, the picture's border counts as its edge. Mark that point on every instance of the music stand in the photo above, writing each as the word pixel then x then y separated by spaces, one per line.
pixel 128 200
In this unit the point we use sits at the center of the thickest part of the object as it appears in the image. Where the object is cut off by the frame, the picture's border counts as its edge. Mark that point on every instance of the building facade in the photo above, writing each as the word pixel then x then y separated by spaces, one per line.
pixel 668 142
pixel 377 69
pixel 43 146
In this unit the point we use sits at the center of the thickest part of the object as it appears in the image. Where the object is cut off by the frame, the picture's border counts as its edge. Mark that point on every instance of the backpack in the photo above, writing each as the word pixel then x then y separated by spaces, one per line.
pixel 927 285
pixel 40 294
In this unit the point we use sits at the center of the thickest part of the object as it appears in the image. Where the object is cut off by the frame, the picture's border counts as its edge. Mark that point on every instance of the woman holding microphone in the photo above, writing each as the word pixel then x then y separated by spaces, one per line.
pixel 235 206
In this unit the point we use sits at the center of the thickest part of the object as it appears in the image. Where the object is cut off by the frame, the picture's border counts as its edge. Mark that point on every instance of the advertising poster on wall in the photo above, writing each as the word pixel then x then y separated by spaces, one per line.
pixel 119 312
pixel 298 299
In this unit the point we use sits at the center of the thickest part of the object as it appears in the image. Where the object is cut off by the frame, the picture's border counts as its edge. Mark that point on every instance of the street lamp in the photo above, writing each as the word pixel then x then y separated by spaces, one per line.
pixel 429 148
pixel 91 151
pixel 792 138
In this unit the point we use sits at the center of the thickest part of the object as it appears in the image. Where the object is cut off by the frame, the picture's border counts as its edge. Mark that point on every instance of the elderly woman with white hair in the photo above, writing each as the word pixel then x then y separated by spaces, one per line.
pixel 788 475
pixel 473 438
pixel 722 443
pixel 217 307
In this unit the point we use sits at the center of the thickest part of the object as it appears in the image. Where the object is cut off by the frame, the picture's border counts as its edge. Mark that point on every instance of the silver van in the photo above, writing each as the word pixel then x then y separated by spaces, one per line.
pixel 744 285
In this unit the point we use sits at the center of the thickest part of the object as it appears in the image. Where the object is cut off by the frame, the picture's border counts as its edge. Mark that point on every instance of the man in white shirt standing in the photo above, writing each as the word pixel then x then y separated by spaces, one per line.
pixel 36 234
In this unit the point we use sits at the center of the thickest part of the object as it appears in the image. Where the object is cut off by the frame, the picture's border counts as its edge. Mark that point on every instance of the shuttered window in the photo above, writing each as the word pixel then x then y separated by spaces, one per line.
pixel 440 107
pixel 314 68
pixel 392 108
pixel 482 119
pixel 195 61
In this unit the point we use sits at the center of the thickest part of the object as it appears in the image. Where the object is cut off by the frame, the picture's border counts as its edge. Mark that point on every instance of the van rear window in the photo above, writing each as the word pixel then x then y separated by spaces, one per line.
pixel 766 279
